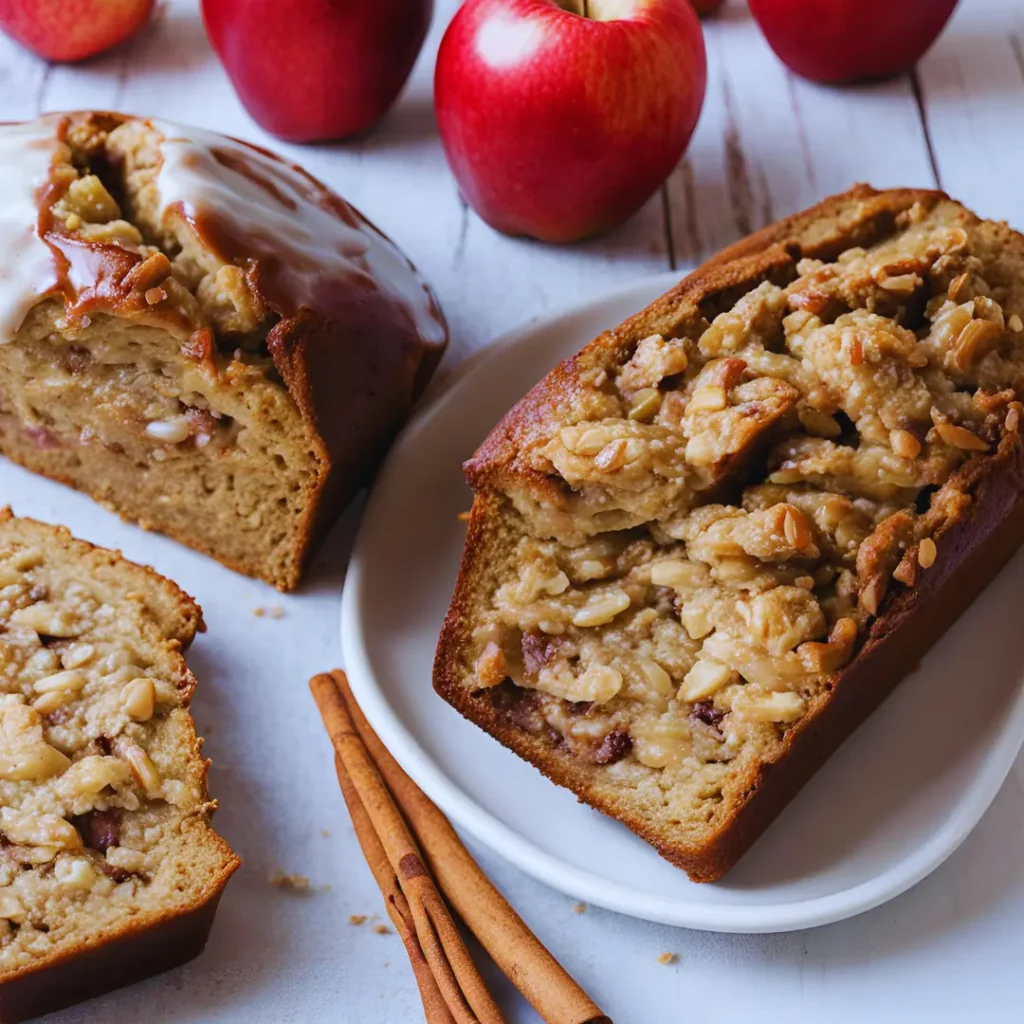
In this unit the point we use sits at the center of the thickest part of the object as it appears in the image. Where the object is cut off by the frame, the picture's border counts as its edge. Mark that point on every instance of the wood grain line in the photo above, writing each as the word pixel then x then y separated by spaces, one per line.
pixel 801 132
pixel 922 113
pixel 44 80
pixel 737 176
pixel 691 221
pixel 666 219
pixel 1018 52
pixel 459 252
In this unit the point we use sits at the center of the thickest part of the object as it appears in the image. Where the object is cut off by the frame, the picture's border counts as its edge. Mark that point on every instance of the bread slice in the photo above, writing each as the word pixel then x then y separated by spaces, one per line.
pixel 198 335
pixel 703 549
pixel 109 870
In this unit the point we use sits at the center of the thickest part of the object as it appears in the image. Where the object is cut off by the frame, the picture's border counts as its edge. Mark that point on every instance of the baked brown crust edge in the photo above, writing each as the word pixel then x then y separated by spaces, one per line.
pixel 971 551
pixel 147 949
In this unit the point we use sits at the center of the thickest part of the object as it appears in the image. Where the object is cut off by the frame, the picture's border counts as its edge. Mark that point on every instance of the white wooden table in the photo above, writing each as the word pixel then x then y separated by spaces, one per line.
pixel 949 950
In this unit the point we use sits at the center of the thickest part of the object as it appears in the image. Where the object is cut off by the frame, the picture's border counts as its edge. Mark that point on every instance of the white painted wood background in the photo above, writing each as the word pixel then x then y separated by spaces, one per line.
pixel 767 144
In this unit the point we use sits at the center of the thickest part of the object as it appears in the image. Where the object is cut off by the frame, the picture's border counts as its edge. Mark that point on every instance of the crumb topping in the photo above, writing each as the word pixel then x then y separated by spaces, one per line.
pixel 732 506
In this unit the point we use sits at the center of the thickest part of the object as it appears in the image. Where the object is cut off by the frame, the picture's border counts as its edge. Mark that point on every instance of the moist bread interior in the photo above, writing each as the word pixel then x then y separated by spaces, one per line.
pixel 683 534
pixel 178 272
pixel 104 813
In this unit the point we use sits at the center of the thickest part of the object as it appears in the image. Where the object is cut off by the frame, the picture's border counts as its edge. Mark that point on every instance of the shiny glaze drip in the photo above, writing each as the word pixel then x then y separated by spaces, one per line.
pixel 27 269
pixel 302 246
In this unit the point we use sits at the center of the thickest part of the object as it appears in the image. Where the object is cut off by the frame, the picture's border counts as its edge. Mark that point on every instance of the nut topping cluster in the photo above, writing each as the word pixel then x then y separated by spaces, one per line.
pixel 739 502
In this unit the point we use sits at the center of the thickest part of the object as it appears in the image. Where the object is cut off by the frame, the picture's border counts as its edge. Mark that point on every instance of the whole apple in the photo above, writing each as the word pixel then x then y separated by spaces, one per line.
pixel 558 124
pixel 308 70
pixel 834 41
pixel 69 30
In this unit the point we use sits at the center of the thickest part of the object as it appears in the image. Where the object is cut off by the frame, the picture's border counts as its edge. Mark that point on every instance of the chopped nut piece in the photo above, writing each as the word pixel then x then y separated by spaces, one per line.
pixel 172 431
pixel 71 681
pixel 709 398
pixel 45 619
pixel 1012 422
pixel 612 456
pixel 904 444
pixel 705 678
pixel 646 402
pixel 602 609
pixel 140 699
pixel 795 528
pixel 771 707
pixel 958 287
pixel 143 769
pixel 668 958
pixel 660 681
pixel 491 667
pixel 927 552
pixel 76 872
pixel 960 437
pixel 11 908
pixel 1015 323
pixel 974 341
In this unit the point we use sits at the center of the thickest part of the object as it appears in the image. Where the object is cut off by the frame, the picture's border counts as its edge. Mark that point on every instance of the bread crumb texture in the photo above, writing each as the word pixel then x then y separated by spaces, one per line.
pixel 699 524
pixel 202 294
pixel 104 813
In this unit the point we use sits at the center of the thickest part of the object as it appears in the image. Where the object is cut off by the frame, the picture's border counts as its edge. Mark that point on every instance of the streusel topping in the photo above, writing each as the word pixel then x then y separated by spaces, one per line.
pixel 736 503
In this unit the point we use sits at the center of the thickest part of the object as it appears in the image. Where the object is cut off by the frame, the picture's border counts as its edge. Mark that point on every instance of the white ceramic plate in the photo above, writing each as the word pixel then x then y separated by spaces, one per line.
pixel 888 808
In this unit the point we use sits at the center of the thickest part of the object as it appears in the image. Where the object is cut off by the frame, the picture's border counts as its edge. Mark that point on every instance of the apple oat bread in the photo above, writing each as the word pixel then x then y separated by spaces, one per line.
pixel 199 335
pixel 704 548
pixel 109 870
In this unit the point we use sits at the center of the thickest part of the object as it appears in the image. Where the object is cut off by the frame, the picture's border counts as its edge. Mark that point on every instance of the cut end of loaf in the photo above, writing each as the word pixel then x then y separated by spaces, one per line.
pixel 199 335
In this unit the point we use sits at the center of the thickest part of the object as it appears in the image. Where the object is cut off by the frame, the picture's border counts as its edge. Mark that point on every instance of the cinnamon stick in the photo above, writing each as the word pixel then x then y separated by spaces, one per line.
pixel 454 972
pixel 520 955
pixel 434 1007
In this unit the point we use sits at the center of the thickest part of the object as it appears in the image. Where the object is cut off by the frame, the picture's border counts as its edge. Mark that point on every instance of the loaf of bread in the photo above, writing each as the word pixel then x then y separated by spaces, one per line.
pixel 199 335
pixel 109 870
pixel 706 547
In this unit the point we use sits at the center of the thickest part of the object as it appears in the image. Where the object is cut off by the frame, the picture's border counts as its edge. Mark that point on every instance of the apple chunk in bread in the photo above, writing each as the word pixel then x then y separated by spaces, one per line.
pixel 199 335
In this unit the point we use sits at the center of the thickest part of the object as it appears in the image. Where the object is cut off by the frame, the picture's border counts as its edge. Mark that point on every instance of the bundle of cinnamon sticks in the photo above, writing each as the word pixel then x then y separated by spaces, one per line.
pixel 422 867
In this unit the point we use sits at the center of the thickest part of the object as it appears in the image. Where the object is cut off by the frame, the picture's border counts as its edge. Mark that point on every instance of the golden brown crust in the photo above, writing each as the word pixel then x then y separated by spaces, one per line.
pixel 974 540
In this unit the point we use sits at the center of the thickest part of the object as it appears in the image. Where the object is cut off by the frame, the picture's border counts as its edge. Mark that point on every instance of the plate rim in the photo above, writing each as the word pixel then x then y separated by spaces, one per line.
pixel 580 883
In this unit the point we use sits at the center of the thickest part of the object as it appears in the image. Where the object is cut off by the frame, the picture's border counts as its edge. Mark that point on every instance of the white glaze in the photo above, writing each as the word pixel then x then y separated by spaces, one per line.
pixel 27 269
pixel 191 178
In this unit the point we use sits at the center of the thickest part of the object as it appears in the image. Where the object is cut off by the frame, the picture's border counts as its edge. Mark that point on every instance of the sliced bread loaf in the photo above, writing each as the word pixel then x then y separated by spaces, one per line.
pixel 200 335
pixel 109 870
pixel 702 550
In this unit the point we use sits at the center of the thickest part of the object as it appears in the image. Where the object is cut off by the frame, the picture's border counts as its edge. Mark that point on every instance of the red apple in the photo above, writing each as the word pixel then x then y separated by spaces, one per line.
pixel 558 124
pixel 308 70
pixel 66 30
pixel 845 40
